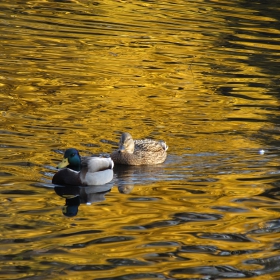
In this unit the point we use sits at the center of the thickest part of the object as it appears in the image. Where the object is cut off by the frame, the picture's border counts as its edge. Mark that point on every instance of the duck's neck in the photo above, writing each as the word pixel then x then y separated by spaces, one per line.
pixel 75 164
pixel 75 167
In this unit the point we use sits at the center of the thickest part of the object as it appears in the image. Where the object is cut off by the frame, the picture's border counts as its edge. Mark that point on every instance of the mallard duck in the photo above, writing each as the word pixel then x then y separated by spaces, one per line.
pixel 85 171
pixel 139 152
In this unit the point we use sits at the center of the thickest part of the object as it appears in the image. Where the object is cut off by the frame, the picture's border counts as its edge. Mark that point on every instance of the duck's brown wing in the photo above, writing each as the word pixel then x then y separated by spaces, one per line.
pixel 149 145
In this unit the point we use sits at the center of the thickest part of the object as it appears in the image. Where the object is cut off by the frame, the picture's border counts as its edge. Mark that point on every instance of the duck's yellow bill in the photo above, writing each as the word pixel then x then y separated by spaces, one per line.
pixel 64 163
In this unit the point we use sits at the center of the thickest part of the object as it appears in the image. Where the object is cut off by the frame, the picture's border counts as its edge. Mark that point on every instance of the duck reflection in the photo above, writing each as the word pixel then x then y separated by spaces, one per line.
pixel 74 196
pixel 128 176
pixel 125 189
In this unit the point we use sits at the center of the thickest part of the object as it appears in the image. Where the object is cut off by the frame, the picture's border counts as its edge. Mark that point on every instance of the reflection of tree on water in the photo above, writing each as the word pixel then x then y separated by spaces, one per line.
pixel 74 196
pixel 267 265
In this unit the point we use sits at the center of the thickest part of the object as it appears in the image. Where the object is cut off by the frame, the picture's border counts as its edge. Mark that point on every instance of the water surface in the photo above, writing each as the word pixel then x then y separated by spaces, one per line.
pixel 203 76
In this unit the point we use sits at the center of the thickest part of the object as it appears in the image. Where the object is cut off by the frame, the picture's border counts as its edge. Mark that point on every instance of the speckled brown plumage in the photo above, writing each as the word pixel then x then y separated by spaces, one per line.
pixel 139 152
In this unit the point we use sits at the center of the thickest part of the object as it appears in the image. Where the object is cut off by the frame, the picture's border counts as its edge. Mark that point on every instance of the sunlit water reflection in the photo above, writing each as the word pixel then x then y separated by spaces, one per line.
pixel 201 75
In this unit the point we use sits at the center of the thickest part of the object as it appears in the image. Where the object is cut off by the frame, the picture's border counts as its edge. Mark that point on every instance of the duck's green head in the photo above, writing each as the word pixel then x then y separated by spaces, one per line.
pixel 71 160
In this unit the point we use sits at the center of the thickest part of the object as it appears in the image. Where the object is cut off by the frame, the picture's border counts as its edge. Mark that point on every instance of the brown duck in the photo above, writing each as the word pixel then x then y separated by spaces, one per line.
pixel 139 152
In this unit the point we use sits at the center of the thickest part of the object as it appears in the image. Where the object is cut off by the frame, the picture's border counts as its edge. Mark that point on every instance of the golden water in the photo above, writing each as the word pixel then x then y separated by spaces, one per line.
pixel 203 76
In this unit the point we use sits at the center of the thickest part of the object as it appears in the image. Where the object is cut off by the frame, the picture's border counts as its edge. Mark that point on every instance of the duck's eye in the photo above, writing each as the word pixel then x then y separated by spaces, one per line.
pixel 72 155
